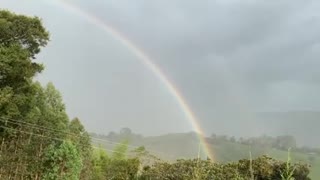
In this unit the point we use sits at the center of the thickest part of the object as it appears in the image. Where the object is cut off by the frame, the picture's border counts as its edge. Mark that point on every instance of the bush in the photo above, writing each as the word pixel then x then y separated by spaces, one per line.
pixel 264 168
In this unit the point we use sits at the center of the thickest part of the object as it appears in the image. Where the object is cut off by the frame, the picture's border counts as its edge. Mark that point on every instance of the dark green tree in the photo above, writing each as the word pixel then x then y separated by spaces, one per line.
pixel 61 162
pixel 21 38
pixel 80 137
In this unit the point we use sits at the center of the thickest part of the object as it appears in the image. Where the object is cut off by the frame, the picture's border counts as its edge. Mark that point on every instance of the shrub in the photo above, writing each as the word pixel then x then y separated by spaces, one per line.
pixel 264 168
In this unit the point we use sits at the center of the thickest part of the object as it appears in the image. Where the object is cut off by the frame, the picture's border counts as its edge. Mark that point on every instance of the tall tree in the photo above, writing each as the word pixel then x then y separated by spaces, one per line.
pixel 21 38
pixel 100 163
pixel 24 31
pixel 49 126
pixel 80 137
pixel 62 162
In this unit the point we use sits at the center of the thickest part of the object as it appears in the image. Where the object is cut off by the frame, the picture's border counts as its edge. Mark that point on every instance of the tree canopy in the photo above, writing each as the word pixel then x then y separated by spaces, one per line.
pixel 34 125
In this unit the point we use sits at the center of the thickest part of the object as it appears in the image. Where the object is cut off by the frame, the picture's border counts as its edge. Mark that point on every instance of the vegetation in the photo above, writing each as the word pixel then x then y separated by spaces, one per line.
pixel 263 168
pixel 185 146
pixel 39 141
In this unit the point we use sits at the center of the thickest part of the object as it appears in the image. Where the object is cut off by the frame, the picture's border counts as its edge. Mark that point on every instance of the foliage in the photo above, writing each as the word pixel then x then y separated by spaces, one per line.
pixel 21 38
pixel 122 169
pixel 124 133
pixel 25 31
pixel 264 168
pixel 62 162
pixel 145 157
pixel 116 166
pixel 120 151
pixel 100 161
pixel 34 125
pixel 287 174
pixel 82 141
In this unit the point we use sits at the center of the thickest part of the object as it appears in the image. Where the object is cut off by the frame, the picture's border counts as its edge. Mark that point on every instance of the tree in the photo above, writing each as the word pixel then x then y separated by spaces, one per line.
pixel 145 158
pixel 121 167
pixel 116 166
pixel 125 132
pixel 28 33
pixel 120 151
pixel 21 38
pixel 112 136
pixel 62 162
pixel 47 124
pixel 81 138
pixel 285 142
pixel 100 162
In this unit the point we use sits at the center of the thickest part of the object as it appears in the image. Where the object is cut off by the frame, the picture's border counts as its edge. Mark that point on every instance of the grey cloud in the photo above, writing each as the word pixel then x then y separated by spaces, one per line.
pixel 200 27
pixel 229 59
pixel 179 32
pixel 264 42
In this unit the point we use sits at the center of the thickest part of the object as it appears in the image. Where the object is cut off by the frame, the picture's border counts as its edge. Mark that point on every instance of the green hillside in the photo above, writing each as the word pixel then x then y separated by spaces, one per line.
pixel 185 145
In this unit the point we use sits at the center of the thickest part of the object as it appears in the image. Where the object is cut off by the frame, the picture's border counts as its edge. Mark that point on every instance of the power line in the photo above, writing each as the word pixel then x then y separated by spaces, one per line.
pixel 51 129
pixel 43 136
pixel 39 127
pixel 59 139
pixel 35 125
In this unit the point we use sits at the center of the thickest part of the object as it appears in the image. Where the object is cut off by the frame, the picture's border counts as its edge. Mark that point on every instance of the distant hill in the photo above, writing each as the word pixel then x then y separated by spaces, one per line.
pixel 185 145
pixel 303 125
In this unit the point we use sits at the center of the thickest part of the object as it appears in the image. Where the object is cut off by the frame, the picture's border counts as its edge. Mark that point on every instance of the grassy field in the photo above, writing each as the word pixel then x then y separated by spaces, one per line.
pixel 185 145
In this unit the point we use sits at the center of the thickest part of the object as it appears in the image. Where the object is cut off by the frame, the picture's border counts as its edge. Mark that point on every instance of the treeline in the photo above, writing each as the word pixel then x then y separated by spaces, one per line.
pixel 39 141
pixel 262 168
pixel 124 133
pixel 283 142
pixel 37 138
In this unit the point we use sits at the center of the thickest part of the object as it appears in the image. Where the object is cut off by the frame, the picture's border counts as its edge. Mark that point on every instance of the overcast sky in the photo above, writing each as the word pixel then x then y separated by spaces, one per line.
pixel 229 58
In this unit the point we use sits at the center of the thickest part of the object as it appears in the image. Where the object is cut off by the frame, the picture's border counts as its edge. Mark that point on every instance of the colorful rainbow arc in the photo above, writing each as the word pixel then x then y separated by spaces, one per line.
pixel 146 60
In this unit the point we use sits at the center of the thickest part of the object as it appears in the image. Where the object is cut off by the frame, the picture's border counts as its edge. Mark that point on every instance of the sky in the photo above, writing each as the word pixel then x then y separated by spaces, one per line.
pixel 230 59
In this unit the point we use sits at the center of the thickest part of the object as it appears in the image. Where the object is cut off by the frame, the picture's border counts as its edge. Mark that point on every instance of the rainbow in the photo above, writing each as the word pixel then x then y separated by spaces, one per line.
pixel 146 60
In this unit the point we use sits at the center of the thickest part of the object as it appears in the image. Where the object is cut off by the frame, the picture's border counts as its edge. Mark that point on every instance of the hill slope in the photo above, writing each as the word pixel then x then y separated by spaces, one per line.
pixel 185 145
pixel 303 125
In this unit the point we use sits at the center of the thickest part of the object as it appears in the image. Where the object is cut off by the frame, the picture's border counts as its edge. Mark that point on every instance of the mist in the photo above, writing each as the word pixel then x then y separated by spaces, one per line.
pixel 246 68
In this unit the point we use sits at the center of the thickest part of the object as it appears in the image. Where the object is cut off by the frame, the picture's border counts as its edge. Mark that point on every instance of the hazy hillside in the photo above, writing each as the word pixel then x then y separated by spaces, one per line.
pixel 303 125
pixel 185 145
